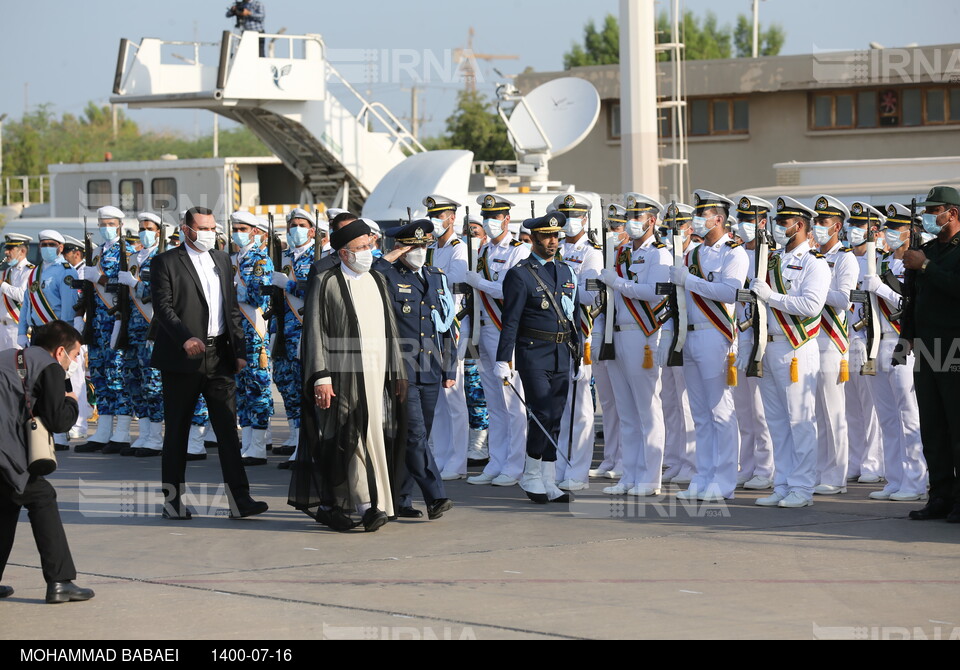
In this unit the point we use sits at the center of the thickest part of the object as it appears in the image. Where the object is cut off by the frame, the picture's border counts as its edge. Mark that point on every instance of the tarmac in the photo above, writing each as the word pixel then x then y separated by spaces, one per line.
pixel 497 566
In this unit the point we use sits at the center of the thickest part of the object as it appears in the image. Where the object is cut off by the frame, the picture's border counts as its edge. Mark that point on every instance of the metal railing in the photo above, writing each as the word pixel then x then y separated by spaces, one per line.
pixel 26 190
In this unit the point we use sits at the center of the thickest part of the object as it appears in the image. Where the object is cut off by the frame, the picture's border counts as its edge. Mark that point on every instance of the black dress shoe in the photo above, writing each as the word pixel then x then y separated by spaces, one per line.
pixel 195 457
pixel 285 465
pixel 147 453
pixel 6 591
pixel 211 445
pixel 409 513
pixel 335 519
pixel 170 513
pixel 115 447
pixel 129 451
pixel 374 520
pixel 436 509
pixel 565 498
pixel 954 516
pixel 65 592
pixel 936 508
pixel 249 507
pixel 269 447
pixel 477 462
pixel 250 462
pixel 61 447
pixel 284 451
pixel 89 447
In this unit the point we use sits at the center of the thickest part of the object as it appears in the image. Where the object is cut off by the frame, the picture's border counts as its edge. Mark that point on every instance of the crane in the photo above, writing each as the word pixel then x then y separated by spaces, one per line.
pixel 467 58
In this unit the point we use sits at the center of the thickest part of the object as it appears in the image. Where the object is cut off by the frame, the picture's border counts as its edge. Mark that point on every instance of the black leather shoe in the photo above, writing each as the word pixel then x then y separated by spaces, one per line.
pixel 565 498
pixel 436 509
pixel 249 507
pixel 284 451
pixel 269 447
pixel 335 519
pixel 936 508
pixel 61 447
pixel 6 591
pixel 954 516
pixel 196 457
pixel 285 465
pixel 250 462
pixel 477 463
pixel 65 592
pixel 374 520
pixel 170 513
pixel 89 447
pixel 146 453
pixel 409 513
pixel 115 447
pixel 211 445
pixel 129 451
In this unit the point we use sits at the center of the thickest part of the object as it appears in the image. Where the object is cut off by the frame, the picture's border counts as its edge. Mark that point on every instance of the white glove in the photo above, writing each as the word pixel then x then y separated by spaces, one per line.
pixel 90 273
pixel 761 289
pixel 663 349
pixel 22 341
pixel 580 373
pixel 473 278
pixel 743 357
pixel 6 288
pixel 609 277
pixel 858 353
pixel 280 280
pixel 679 275
pixel 127 279
pixel 504 371
pixel 871 283
pixel 78 323
pixel 115 334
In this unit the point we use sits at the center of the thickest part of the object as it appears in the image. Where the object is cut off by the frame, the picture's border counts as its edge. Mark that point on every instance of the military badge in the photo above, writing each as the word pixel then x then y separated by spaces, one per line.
pixel 696 199
pixel 407 309
pixel 612 210
pixel 857 209
pixel 744 203
pixel 781 205
pixel 821 204
pixel 891 210
pixel 569 202
pixel 489 201
pixel 553 221
pixel 544 304
pixel 431 203
pixel 68 280
pixel 631 202
pixel 34 287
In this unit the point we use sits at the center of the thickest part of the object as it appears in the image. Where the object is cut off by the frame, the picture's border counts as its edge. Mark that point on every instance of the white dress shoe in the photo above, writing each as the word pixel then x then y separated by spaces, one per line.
pixel 758 483
pixel 870 479
pixel 573 485
pixel 710 497
pixel 828 490
pixel 598 473
pixel 482 478
pixel 505 480
pixel 643 492
pixel 771 501
pixel 794 500
pixel 614 474
pixel 689 494
pixel 616 490
pixel 881 495
pixel 451 476
pixel 906 496
pixel 680 481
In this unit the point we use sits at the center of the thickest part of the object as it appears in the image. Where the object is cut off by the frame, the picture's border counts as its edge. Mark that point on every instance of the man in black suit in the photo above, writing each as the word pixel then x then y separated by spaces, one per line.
pixel 199 348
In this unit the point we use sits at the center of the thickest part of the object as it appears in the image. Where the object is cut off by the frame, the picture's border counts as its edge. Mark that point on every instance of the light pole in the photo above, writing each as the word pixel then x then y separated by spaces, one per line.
pixel 2 117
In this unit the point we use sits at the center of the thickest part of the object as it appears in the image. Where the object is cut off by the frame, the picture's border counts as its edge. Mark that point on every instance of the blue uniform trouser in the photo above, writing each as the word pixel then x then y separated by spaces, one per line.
pixel 287 375
pixel 421 468
pixel 545 392
pixel 106 369
pixel 254 400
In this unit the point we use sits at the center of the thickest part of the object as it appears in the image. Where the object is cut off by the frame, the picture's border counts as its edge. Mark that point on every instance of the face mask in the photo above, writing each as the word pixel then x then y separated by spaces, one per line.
pixel 12 262
pixel 700 226
pixel 635 230
pixel 297 237
pixel 439 227
pixel 822 234
pixel 748 231
pixel 927 237
pixel 493 228
pixel 930 224
pixel 148 238
pixel 573 227
pixel 49 254
pixel 856 236
pixel 206 239
pixel 241 239
pixel 109 233
pixel 893 239
pixel 71 367
pixel 529 246
pixel 416 258
pixel 780 235
pixel 361 261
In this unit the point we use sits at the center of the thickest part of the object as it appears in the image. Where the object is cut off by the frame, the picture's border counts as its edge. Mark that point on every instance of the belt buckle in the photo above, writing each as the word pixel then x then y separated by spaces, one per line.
pixel 560 338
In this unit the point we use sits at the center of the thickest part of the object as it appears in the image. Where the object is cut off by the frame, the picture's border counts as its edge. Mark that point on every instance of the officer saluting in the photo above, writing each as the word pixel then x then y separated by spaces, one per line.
pixel 539 302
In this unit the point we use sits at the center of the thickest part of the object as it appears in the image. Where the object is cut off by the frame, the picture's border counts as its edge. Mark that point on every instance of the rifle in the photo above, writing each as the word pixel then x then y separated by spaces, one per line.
pixel 758 319
pixel 473 300
pixel 278 300
pixel 677 298
pixel 87 304
pixel 317 239
pixel 608 351
pixel 871 311
pixel 161 235
pixel 121 306
pixel 909 289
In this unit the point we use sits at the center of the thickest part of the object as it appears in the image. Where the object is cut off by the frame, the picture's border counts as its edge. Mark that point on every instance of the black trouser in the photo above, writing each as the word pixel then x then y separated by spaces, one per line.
pixel 937 382
pixel 545 392
pixel 40 499
pixel 420 465
pixel 217 383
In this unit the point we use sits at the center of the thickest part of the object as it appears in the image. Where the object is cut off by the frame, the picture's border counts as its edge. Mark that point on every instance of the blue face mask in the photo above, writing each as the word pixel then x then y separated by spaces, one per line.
pixel 930 224
pixel 109 233
pixel 241 239
pixel 49 254
pixel 439 227
pixel 148 238
pixel 700 226
pixel 297 237
pixel 12 262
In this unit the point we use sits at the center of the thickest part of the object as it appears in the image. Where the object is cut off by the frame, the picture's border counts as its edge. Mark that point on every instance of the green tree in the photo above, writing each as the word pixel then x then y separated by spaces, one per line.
pixel 600 47
pixel 474 126
pixel 770 40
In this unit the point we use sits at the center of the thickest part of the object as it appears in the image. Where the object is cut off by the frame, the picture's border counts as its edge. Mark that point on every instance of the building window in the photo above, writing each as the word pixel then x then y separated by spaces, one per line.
pixel 885 108
pixel 719 116
pixel 131 195
pixel 164 194
pixel 98 193
pixel 613 121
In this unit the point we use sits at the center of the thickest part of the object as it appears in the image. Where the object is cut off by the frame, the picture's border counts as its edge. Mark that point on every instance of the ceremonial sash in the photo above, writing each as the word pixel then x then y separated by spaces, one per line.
pixel 834 324
pixel 145 309
pixel 493 307
pixel 641 311
pixel 798 331
pixel 38 301
pixel 252 314
pixel 882 304
pixel 12 307
pixel 101 290
pixel 720 314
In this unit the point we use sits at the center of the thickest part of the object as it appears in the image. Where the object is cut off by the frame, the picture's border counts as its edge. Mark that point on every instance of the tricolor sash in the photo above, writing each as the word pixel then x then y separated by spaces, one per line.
pixel 493 307
pixel 38 301
pixel 720 314
pixel 646 316
pixel 834 324
pixel 11 306
pixel 882 304
pixel 798 331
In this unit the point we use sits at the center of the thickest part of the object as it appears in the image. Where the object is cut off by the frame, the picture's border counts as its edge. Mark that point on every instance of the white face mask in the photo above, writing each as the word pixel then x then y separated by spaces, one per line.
pixel 361 261
pixel 747 231
pixel 416 258
pixel 893 239
pixel 856 236
pixel 72 367
pixel 493 228
pixel 439 227
pixel 822 234
pixel 206 239
pixel 573 227
pixel 635 230
pixel 780 235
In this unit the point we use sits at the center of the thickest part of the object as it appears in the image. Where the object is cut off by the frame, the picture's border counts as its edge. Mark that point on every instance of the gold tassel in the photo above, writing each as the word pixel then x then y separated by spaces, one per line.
pixel 732 370
pixel 794 371
pixel 587 359
pixel 844 371
pixel 647 357
pixel 263 358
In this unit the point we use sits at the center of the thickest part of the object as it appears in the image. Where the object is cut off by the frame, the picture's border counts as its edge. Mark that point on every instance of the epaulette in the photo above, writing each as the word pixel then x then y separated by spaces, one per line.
pixel 733 244
pixel 67 266
pixel 846 250
pixel 659 245
pixel 455 243
pixel 515 243
pixel 598 247
pixel 434 269
pixel 30 266
pixel 816 254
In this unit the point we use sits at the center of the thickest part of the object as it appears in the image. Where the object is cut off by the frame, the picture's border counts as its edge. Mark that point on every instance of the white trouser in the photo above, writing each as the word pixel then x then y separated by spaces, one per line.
pixel 638 404
pixel 863 428
pixel 8 335
pixel 451 426
pixel 507 435
pixel 680 444
pixel 705 368
pixel 79 382
pixel 791 409
pixel 904 466
pixel 579 448
pixel 756 445
pixel 832 432
pixel 612 456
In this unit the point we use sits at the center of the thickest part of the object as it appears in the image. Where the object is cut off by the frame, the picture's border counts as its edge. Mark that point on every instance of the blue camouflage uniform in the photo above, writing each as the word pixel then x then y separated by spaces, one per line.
pixel 51 294
pixel 254 271
pixel 476 402
pixel 143 381
pixel 287 371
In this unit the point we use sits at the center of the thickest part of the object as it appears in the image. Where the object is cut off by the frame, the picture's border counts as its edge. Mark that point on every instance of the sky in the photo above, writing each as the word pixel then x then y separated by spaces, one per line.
pixel 63 53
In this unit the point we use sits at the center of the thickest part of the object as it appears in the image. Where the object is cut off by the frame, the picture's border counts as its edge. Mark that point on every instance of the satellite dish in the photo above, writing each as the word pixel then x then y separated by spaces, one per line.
pixel 555 117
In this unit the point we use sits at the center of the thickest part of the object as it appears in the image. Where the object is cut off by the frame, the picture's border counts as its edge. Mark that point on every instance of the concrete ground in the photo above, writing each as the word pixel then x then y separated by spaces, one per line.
pixel 496 566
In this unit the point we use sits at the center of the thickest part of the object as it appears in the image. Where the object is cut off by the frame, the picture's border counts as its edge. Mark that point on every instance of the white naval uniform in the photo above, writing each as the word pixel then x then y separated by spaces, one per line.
pixel 705 366
pixel 79 382
pixel 904 466
pixel 586 261
pixel 680 438
pixel 612 453
pixel 451 423
pixel 636 389
pixel 832 430
pixel 507 435
pixel 13 281
pixel 756 445
pixel 863 426
pixel 791 407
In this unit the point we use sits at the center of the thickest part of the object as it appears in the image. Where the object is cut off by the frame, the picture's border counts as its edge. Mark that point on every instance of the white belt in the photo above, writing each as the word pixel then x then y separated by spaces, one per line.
pixel 700 326
pixel 777 338
pixel 890 336
pixel 627 326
